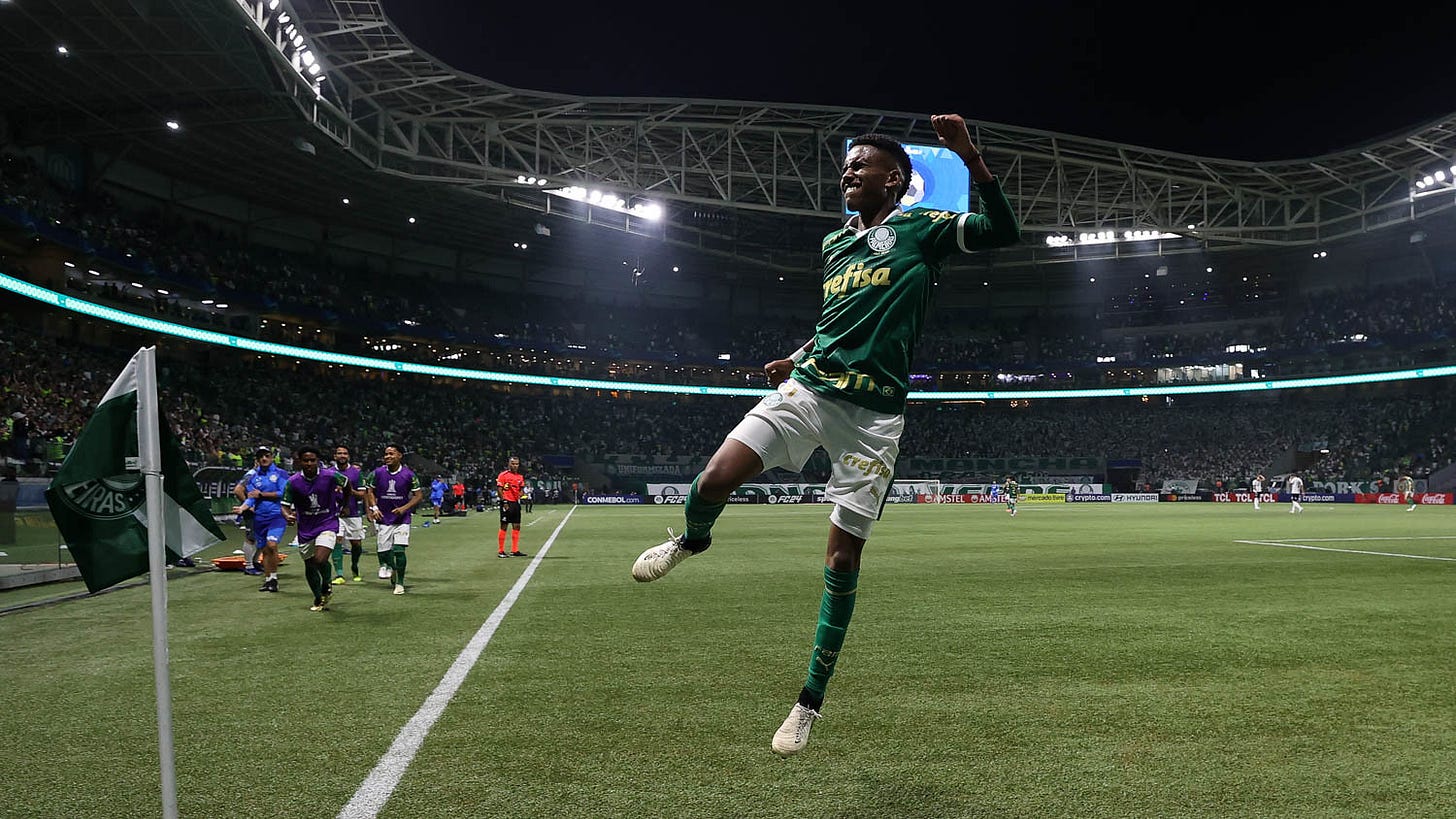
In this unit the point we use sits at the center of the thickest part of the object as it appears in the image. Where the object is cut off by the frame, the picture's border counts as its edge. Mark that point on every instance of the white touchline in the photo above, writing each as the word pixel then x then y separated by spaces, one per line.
pixel 1347 539
pixel 1347 551
pixel 387 773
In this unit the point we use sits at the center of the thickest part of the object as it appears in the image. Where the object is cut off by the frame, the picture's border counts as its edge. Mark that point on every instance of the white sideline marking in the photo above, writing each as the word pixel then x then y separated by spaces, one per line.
pixel 1344 539
pixel 1347 551
pixel 387 773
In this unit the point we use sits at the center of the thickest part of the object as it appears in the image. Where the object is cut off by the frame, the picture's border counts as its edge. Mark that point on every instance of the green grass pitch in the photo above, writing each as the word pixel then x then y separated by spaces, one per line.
pixel 1076 661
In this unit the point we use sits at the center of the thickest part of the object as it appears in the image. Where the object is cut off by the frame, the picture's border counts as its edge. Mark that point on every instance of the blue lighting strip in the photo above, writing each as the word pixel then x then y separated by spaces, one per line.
pixel 87 308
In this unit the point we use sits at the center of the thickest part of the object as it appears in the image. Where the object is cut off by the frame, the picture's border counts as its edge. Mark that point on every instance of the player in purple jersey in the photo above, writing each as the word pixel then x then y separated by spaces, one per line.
pixel 392 491
pixel 311 501
pixel 351 524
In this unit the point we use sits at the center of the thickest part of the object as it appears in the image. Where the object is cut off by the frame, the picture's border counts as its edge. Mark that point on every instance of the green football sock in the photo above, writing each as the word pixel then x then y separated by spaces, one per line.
pixel 354 554
pixel 399 562
pixel 384 558
pixel 311 572
pixel 700 514
pixel 338 557
pixel 834 613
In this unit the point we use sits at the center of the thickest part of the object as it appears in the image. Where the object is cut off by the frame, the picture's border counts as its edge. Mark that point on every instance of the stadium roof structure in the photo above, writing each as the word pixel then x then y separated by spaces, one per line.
pixel 399 131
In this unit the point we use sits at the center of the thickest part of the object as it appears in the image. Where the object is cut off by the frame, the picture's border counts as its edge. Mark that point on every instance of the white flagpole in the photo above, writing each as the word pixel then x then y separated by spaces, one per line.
pixel 149 447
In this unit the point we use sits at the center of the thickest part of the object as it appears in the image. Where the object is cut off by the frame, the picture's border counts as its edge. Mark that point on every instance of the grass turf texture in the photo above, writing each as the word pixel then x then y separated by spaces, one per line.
pixel 1075 661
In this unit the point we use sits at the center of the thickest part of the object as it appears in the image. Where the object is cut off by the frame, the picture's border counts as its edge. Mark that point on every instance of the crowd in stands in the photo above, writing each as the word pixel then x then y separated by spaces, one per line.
pixel 224 406
pixel 193 261
pixel 227 408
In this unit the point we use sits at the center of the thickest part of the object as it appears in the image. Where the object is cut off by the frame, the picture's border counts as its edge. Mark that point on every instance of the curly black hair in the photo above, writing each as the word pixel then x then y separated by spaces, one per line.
pixel 891 146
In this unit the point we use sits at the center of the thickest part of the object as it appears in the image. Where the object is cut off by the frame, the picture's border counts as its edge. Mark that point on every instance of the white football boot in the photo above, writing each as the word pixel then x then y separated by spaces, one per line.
pixel 660 559
pixel 793 736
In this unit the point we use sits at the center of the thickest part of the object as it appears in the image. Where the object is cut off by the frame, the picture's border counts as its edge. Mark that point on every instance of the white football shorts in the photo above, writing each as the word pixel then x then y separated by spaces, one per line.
pixel 391 536
pixel 787 426
pixel 325 540
pixel 351 528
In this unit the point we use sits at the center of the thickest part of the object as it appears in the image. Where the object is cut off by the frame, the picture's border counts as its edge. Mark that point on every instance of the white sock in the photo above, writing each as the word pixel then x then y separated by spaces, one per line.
pixel 273 576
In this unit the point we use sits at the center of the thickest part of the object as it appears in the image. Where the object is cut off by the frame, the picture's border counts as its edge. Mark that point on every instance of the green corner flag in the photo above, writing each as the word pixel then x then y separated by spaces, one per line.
pixel 98 498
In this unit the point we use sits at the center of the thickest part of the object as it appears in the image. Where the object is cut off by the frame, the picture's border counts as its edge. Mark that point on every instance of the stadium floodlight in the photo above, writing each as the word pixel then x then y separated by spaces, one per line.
pixel 314 70
pixel 307 57
pixel 650 211
pixel 1440 176
pixel 69 264
pixel 674 268
pixel 412 220
pixel 173 125
pixel 345 200
pixel 221 306
pixel 164 292
pixel 541 182
pixel 1421 183
pixel 63 51
pixel 138 285
pixel 272 5
pixel 207 301
pixel 282 18
pixel 1429 180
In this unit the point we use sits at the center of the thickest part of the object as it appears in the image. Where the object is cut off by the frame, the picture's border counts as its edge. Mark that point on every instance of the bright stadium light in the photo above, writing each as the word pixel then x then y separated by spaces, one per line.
pixel 173 125
pixel 1440 176
pixel 63 51
pixel 644 209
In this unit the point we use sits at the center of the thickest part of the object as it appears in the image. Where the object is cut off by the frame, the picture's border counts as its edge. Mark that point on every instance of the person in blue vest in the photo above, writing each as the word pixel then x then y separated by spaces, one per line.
pixel 262 490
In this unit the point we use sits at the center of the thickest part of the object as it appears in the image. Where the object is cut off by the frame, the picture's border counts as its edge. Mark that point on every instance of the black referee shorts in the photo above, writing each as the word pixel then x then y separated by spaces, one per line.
pixel 510 512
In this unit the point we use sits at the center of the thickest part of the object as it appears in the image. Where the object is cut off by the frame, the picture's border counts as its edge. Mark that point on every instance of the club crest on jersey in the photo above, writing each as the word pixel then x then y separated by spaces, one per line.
pixel 881 238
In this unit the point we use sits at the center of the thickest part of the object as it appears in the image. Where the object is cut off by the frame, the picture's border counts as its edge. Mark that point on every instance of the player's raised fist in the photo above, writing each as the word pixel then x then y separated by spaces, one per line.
pixel 953 133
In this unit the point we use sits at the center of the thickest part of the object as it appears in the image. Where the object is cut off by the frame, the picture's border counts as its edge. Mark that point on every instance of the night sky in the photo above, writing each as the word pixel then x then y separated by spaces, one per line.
pixel 1231 80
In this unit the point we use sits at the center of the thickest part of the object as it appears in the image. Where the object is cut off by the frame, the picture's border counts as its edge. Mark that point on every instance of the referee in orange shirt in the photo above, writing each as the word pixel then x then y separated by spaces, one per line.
pixel 511 484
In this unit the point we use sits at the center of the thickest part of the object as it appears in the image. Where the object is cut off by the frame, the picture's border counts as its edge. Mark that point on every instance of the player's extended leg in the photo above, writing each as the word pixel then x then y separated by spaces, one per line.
pixel 386 560
pixel 316 571
pixel 841 581
pixel 397 557
pixel 729 468
pixel 271 536
pixel 338 565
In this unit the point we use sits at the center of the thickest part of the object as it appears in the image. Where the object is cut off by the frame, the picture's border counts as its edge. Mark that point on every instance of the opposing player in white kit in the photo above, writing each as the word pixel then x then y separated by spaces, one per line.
pixel 1295 487
pixel 845 389
pixel 1258 489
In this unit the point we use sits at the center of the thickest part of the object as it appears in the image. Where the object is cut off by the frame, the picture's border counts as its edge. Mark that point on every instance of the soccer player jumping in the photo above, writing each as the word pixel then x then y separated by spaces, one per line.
pixel 845 389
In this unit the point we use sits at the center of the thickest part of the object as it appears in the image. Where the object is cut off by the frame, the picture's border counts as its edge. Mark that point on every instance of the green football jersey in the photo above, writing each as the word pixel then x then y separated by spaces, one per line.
pixel 1013 489
pixel 877 288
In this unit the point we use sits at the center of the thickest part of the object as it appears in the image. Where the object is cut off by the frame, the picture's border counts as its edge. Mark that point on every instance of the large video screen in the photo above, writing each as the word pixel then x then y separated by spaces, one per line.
pixel 938 179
